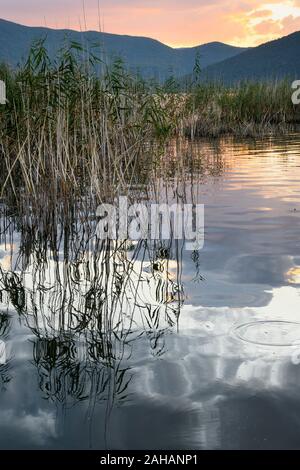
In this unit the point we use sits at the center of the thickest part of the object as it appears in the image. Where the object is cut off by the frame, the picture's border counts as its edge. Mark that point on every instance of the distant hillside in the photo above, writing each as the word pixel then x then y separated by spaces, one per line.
pixel 150 57
pixel 273 60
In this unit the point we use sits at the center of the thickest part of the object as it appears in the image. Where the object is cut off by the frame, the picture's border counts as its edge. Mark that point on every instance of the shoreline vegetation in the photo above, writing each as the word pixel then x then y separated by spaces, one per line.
pixel 64 129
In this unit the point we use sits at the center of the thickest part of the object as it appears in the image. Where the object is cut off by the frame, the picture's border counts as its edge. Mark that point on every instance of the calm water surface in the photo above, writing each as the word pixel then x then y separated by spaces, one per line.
pixel 163 348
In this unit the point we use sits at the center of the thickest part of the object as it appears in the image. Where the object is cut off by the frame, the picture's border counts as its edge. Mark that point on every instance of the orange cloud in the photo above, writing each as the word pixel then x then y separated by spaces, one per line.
pixel 290 24
pixel 268 27
pixel 261 14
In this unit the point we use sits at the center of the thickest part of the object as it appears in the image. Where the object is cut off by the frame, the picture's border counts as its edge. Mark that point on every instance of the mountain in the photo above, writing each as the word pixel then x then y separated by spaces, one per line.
pixel 148 56
pixel 273 60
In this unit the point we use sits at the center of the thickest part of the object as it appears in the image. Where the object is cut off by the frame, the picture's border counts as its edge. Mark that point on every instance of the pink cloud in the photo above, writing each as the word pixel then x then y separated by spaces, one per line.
pixel 268 27
pixel 261 14
pixel 290 24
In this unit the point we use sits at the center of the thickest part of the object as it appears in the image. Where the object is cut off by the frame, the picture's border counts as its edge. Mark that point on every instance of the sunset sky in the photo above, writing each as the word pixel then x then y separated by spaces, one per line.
pixel 174 22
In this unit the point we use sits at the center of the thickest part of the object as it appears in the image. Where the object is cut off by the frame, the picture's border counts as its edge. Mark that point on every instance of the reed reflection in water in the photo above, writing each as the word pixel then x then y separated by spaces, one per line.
pixel 86 303
pixel 144 344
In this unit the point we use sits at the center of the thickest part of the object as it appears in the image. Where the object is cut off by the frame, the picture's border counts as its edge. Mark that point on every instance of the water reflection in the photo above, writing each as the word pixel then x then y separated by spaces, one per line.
pixel 134 345
pixel 5 360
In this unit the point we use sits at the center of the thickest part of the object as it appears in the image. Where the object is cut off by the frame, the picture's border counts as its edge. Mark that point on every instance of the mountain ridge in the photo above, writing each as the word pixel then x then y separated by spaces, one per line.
pixel 149 56
pixel 277 59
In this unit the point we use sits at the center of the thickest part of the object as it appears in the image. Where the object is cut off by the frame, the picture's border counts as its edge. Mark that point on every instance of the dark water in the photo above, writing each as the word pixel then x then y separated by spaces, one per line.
pixel 158 347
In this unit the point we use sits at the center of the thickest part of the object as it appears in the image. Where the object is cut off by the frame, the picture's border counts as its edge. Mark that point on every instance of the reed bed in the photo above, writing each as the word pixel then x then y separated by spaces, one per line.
pixel 67 131
pixel 248 109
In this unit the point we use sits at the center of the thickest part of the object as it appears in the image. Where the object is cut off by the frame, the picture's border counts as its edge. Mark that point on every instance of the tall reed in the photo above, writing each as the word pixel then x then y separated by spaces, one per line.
pixel 64 129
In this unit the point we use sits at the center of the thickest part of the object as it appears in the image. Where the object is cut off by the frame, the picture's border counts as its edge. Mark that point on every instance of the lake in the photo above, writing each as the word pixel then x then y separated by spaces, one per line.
pixel 135 345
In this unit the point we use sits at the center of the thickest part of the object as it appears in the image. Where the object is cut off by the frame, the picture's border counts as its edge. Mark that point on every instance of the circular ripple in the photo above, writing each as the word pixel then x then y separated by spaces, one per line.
pixel 270 333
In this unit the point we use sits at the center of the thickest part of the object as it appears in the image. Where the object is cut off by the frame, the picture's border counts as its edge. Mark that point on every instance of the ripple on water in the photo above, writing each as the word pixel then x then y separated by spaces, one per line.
pixel 269 333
